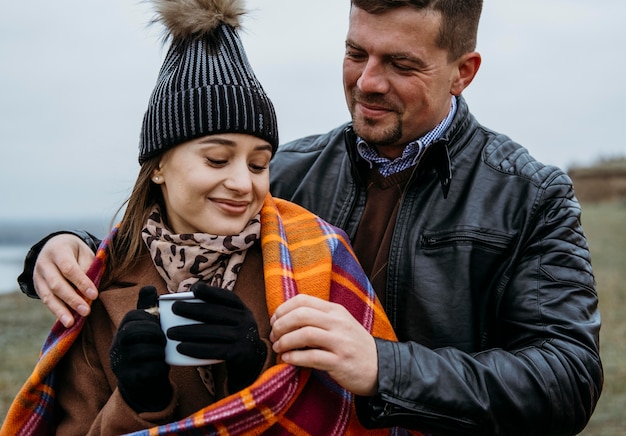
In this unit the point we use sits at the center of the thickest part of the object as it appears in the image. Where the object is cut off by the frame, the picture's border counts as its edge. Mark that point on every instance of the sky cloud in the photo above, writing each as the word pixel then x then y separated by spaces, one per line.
pixel 76 78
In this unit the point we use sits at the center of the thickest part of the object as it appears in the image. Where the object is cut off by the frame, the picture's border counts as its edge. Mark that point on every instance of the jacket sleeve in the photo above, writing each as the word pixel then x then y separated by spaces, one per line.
pixel 544 376
pixel 25 279
pixel 88 400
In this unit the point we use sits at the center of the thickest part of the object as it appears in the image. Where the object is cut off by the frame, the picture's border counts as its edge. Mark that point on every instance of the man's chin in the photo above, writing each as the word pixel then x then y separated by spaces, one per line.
pixel 375 134
pixel 367 129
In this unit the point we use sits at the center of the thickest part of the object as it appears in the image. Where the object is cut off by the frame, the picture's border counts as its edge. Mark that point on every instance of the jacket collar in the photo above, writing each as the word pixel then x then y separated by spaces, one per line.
pixel 437 157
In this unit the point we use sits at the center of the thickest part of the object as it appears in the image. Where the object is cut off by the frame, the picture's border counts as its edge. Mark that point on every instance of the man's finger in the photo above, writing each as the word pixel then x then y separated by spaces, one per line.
pixel 310 358
pixel 81 280
pixel 73 273
pixel 300 301
pixel 305 338
pixel 58 308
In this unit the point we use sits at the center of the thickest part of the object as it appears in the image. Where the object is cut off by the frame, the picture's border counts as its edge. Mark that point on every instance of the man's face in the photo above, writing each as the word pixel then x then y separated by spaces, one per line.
pixel 397 82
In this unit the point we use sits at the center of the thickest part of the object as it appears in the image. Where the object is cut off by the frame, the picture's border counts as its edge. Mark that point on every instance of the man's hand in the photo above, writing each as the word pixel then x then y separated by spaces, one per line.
pixel 315 333
pixel 59 277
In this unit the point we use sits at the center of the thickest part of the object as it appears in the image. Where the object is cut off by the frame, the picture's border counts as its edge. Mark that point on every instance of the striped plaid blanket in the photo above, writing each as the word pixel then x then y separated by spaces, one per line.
pixel 301 254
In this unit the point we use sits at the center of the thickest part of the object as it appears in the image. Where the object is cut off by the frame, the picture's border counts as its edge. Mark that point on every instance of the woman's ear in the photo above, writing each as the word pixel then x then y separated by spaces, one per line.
pixel 157 176
pixel 467 67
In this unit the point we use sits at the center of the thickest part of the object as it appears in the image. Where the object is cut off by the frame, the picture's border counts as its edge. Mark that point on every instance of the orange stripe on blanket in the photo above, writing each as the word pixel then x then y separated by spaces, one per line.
pixel 222 430
pixel 248 399
pixel 307 272
pixel 272 238
pixel 277 271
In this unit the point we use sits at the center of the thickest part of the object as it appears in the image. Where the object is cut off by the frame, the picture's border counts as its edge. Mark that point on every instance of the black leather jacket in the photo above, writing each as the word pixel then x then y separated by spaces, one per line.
pixel 490 287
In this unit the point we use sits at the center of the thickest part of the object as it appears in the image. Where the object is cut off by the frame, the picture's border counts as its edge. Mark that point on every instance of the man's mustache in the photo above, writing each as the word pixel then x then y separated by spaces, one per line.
pixel 377 100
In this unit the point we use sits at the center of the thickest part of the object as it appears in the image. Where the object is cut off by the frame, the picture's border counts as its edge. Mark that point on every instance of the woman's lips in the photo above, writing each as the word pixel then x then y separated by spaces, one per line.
pixel 231 206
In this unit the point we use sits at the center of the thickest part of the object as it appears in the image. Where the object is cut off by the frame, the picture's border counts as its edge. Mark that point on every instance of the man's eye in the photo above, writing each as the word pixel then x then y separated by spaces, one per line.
pixel 402 67
pixel 355 55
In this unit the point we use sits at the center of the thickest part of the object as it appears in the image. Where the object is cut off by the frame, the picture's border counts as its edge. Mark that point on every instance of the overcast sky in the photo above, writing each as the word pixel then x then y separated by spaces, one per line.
pixel 75 77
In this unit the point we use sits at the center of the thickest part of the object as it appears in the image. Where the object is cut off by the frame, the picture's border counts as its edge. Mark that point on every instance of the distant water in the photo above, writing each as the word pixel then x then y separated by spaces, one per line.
pixel 11 265
pixel 16 238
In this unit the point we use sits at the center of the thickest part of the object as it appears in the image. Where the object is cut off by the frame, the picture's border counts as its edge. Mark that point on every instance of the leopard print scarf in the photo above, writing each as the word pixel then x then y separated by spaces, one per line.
pixel 183 259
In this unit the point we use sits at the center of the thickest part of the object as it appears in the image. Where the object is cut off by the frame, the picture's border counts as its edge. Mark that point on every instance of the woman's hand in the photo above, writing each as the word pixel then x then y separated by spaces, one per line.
pixel 138 357
pixel 228 332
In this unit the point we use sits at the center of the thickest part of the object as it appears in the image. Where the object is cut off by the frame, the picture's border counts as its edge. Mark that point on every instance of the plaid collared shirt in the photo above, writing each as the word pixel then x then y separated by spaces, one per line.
pixel 412 152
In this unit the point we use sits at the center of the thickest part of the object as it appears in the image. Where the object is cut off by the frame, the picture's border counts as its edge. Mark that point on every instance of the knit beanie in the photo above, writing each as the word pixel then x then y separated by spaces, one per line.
pixel 206 84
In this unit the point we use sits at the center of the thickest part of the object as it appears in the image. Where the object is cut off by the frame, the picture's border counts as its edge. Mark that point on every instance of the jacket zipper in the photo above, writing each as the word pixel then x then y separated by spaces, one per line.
pixel 390 409
pixel 478 238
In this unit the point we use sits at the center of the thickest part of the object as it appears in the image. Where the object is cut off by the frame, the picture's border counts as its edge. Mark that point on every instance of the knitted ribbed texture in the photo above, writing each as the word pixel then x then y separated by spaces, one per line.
pixel 206 86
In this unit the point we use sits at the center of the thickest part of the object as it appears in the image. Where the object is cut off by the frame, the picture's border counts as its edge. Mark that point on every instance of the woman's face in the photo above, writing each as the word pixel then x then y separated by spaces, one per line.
pixel 214 184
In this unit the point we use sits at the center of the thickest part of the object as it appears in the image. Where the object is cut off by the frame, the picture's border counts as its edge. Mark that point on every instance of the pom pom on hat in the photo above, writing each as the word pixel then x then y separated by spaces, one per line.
pixel 206 84
pixel 192 18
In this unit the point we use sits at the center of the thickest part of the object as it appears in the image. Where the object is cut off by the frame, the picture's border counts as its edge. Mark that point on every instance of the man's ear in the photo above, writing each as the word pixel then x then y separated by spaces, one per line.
pixel 467 67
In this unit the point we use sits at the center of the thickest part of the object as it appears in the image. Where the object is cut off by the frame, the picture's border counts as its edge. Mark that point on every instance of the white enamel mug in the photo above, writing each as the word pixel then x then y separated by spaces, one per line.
pixel 169 319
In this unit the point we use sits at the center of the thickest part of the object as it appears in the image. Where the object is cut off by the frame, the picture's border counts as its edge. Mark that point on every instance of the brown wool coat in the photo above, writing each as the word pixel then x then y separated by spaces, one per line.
pixel 87 392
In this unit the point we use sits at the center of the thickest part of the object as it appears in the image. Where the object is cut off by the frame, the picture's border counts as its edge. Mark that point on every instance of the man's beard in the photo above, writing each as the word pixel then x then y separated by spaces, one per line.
pixel 366 128
pixel 377 136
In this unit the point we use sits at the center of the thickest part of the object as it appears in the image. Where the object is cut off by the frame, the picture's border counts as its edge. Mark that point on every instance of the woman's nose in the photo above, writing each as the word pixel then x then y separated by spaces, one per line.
pixel 239 179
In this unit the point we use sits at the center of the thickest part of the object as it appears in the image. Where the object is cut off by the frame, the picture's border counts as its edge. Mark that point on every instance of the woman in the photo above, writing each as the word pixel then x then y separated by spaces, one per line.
pixel 200 218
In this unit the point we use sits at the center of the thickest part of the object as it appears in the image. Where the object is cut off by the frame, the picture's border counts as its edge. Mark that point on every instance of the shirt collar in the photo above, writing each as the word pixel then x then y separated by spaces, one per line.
pixel 412 152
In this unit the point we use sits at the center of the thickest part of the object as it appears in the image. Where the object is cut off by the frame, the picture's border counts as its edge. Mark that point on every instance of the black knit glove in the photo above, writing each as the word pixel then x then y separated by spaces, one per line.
pixel 228 332
pixel 138 357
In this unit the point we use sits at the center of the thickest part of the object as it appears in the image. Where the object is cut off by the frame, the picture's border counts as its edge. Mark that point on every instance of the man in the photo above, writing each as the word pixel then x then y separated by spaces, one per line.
pixel 474 248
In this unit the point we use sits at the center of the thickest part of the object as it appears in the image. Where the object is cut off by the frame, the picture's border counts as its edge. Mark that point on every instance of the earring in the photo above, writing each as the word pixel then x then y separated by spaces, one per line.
pixel 156 179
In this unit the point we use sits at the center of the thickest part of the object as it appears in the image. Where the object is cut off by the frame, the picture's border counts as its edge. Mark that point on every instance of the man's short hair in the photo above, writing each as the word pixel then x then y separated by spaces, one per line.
pixel 459 20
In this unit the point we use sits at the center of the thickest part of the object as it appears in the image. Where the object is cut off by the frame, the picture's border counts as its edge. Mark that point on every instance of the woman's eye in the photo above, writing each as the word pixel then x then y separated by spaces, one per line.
pixel 258 168
pixel 216 162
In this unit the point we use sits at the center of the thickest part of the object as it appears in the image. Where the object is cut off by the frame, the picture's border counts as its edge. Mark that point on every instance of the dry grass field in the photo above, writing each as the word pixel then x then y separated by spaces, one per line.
pixel 604 226
pixel 23 322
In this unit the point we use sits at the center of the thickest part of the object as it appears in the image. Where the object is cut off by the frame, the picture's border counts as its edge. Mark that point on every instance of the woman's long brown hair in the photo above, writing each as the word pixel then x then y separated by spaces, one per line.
pixel 127 246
